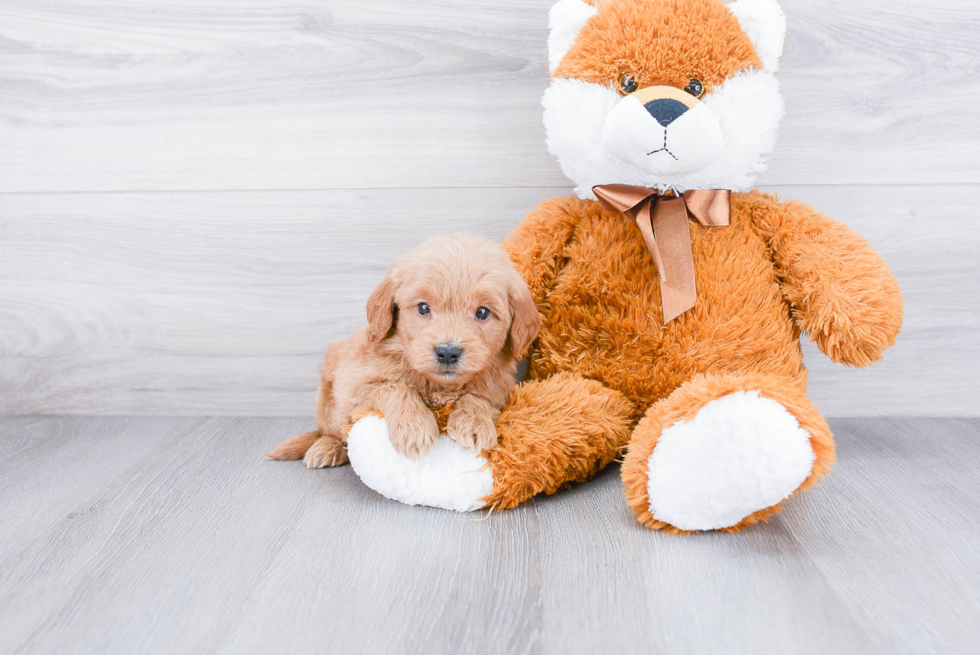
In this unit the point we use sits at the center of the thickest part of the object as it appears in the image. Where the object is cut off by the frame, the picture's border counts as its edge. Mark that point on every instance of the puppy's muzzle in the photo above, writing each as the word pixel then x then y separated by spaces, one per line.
pixel 448 354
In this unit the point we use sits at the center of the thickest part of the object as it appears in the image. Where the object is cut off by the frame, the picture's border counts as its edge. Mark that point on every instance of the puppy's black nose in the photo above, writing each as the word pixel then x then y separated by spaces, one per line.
pixel 666 110
pixel 448 354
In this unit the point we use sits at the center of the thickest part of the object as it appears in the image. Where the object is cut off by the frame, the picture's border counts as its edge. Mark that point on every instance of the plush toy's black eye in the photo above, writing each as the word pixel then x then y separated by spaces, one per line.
pixel 695 88
pixel 424 309
pixel 483 313
pixel 628 83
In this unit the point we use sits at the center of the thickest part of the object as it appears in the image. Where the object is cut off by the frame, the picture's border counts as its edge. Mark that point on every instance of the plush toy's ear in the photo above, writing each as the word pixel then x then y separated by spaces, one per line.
pixel 565 20
pixel 381 308
pixel 765 23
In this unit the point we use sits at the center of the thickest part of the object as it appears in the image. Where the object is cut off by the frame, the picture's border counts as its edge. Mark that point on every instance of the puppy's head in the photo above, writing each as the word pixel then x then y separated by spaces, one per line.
pixel 454 306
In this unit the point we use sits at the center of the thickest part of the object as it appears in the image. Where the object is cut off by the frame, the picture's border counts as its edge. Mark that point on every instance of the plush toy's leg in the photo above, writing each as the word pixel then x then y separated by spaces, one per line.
pixel 554 432
pixel 550 433
pixel 722 453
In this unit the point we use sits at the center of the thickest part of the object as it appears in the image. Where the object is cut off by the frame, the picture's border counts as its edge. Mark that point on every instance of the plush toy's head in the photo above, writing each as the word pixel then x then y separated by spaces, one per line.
pixel 667 94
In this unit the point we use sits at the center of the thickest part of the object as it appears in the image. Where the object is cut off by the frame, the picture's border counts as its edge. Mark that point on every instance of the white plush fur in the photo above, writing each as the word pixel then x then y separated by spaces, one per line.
pixel 689 144
pixel 765 24
pixel 747 107
pixel 739 454
pixel 565 20
pixel 449 477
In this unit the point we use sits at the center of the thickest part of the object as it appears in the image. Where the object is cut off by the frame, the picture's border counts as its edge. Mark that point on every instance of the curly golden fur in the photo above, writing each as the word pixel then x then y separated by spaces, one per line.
pixel 454 294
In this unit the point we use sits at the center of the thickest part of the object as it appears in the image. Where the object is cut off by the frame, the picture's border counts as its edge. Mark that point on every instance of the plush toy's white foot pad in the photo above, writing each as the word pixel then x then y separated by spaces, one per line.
pixel 449 477
pixel 739 454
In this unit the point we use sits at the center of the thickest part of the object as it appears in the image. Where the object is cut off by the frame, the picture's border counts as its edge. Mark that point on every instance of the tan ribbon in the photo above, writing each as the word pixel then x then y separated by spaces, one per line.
pixel 663 223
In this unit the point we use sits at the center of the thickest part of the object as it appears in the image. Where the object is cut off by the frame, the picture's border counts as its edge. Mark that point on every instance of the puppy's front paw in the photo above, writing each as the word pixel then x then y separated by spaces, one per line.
pixel 326 451
pixel 472 429
pixel 413 433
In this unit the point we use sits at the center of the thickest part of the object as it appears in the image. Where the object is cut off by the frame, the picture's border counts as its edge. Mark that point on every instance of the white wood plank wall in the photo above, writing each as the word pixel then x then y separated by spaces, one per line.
pixel 196 196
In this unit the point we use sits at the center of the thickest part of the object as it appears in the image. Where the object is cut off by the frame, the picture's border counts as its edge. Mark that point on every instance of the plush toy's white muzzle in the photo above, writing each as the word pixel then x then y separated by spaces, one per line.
pixel 663 134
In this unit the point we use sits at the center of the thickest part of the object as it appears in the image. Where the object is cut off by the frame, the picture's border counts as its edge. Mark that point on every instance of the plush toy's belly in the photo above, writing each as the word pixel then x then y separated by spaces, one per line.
pixel 605 320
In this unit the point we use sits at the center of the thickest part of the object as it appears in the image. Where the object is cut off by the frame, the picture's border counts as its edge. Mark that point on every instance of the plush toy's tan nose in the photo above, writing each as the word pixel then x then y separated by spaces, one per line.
pixel 650 93
pixel 665 103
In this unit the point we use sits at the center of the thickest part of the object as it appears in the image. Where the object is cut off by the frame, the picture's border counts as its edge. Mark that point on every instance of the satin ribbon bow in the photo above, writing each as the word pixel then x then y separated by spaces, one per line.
pixel 663 223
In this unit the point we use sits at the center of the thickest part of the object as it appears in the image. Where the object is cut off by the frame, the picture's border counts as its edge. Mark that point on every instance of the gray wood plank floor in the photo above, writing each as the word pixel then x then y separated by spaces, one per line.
pixel 173 535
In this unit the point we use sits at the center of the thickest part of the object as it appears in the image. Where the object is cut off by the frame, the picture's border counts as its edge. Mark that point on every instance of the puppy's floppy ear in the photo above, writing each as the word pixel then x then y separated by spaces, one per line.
pixel 381 307
pixel 525 321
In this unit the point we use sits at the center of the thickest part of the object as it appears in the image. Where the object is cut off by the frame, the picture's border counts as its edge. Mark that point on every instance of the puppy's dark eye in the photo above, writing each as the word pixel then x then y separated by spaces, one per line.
pixel 695 87
pixel 628 83
pixel 483 313
pixel 424 309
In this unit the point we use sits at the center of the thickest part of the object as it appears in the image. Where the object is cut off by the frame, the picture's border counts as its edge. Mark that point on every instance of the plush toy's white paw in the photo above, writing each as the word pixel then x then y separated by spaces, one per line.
pixel 449 477
pixel 739 454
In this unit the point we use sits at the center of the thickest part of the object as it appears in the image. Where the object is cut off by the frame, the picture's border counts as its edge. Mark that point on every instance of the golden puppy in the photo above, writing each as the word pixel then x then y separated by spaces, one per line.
pixel 448 324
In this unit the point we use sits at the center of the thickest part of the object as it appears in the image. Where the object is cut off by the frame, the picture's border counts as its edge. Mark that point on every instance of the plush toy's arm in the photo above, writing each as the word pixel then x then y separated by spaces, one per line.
pixel 537 245
pixel 840 290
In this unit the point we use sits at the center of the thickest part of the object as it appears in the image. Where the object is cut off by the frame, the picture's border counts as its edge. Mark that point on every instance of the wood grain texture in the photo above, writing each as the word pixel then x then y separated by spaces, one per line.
pixel 223 303
pixel 232 94
pixel 202 303
pixel 167 535
pixel 930 243
pixel 123 291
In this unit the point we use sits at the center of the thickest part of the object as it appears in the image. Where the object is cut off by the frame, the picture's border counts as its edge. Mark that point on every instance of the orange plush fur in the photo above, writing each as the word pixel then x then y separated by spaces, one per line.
pixel 690 39
pixel 761 280
pixel 607 376
pixel 604 359
pixel 683 405
pixel 429 298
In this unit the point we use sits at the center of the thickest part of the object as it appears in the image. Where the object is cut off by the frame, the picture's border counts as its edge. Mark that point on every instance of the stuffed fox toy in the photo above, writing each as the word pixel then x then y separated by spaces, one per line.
pixel 672 296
